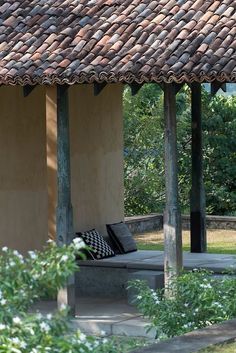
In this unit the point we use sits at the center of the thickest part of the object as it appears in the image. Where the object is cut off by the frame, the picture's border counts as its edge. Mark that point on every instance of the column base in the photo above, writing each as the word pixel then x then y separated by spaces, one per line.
pixel 198 232
pixel 173 259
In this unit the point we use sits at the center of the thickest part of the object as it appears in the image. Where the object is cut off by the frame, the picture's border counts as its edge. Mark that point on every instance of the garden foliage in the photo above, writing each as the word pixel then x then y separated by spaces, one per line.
pixel 26 280
pixel 199 299
pixel 144 151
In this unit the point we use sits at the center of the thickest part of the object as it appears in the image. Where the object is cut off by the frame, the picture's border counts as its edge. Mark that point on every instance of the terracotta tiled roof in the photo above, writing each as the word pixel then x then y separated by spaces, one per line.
pixel 69 41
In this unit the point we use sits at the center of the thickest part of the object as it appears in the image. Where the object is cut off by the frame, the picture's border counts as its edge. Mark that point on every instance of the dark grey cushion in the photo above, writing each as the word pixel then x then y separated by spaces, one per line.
pixel 121 237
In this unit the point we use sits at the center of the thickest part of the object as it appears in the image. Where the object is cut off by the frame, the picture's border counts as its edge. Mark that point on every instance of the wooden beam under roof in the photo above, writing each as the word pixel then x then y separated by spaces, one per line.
pixel 177 86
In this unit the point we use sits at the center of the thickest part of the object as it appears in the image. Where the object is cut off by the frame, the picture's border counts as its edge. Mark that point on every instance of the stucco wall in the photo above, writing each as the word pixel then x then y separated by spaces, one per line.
pixel 28 159
pixel 96 156
pixel 23 196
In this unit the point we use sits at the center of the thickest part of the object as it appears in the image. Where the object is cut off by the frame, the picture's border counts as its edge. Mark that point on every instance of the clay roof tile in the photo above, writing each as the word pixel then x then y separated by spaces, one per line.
pixel 71 41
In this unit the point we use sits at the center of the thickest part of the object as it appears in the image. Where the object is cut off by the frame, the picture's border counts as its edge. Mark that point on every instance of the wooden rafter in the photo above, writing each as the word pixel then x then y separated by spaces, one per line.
pixel 135 87
pixel 27 90
pixel 98 87
pixel 216 86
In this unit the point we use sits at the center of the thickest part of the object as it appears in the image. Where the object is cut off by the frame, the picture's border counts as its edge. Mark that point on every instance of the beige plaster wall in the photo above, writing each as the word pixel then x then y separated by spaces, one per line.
pixel 96 156
pixel 23 195
pixel 28 179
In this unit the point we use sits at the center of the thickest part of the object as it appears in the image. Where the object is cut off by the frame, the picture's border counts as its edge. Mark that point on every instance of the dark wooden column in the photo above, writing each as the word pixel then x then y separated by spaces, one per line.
pixel 172 214
pixel 198 219
pixel 64 223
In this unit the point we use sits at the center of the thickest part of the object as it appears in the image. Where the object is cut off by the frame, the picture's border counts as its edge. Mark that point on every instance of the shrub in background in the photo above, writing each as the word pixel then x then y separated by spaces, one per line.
pixel 144 151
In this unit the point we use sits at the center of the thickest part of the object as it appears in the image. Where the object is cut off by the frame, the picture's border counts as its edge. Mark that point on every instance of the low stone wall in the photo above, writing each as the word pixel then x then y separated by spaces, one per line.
pixel 140 224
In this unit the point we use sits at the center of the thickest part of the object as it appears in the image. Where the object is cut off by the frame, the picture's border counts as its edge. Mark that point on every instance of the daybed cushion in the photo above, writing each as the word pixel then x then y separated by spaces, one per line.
pixel 99 249
pixel 121 238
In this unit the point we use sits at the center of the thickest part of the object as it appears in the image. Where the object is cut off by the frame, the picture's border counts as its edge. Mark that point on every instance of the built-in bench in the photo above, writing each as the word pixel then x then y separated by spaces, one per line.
pixel 109 277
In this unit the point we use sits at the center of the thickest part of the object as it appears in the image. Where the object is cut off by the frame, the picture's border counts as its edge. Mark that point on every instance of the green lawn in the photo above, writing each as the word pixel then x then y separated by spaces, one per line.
pixel 219 241
pixel 226 348
pixel 220 248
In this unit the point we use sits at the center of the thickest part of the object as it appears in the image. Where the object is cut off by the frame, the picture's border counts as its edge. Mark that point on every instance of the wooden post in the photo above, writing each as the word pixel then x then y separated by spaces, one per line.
pixel 198 218
pixel 64 223
pixel 172 216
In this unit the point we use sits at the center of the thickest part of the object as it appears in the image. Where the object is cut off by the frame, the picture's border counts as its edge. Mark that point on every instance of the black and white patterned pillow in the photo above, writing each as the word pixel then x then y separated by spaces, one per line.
pixel 99 249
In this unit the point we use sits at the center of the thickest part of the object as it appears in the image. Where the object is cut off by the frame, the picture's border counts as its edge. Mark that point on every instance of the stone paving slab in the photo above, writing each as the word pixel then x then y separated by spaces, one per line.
pixel 110 316
pixel 194 341
pixel 136 327
pixel 105 309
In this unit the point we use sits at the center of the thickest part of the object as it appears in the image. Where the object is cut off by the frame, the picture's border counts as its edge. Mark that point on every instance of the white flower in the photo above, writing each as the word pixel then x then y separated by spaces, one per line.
pixel 63 307
pixel 4 249
pixel 49 316
pixel 202 285
pixel 35 276
pixel 217 304
pixel 15 252
pixel 82 337
pixel 18 342
pixel 16 320
pixel 23 344
pixel 78 243
pixel 2 327
pixel 3 301
pixel 103 333
pixel 64 258
pixel 34 350
pixel 44 327
pixel 88 345
pixel 32 255
pixel 189 324
pixel 12 263
pixel 30 330
pixel 15 340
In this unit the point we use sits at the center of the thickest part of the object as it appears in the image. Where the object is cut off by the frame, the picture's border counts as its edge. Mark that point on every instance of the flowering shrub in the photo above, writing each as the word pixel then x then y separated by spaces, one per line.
pixel 200 300
pixel 25 280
